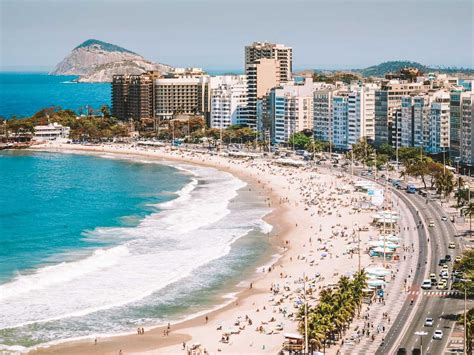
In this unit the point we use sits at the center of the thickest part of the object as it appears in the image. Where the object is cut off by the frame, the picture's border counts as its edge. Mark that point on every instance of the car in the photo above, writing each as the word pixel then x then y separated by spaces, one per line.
pixel 458 258
pixel 426 285
pixel 442 262
pixel 402 351
pixel 434 282
pixel 438 334
pixel 445 267
pixel 445 275
pixel 428 322
pixel 431 224
pixel 452 245
pixel 447 257
pixel 442 285
pixel 444 218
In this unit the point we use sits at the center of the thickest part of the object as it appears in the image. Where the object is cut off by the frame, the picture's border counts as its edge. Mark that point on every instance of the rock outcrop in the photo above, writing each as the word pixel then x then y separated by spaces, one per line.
pixel 97 61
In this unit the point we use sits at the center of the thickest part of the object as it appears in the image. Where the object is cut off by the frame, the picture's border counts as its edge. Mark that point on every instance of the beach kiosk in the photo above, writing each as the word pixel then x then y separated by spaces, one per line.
pixel 294 344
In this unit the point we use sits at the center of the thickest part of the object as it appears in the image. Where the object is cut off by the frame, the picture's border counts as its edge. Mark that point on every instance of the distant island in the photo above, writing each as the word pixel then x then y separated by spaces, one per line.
pixel 98 61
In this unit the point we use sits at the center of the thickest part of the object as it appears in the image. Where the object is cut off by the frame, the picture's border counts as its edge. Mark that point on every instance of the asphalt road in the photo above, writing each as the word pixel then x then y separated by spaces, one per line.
pixel 441 309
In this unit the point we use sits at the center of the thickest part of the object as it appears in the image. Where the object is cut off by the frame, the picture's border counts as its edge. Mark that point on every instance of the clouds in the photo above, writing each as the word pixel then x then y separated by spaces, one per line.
pixel 212 33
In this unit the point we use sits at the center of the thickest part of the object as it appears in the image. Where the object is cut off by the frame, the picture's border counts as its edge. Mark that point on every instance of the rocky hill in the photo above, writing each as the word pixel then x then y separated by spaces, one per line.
pixel 97 61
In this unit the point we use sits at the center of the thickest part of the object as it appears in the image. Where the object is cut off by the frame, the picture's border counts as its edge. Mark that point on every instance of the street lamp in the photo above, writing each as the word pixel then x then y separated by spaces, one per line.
pixel 421 334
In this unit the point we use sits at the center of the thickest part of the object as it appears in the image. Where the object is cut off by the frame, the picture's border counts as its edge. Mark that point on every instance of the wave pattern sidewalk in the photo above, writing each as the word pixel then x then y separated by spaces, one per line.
pixel 380 315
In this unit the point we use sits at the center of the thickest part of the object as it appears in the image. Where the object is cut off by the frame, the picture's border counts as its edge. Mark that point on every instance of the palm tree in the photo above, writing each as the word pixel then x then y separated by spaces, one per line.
pixel 469 211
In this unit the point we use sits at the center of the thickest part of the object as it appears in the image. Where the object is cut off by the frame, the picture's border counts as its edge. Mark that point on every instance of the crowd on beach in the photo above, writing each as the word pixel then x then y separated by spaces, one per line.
pixel 321 235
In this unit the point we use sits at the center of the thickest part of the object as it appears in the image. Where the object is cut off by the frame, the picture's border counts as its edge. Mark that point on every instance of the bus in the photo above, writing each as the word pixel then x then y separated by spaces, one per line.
pixel 411 189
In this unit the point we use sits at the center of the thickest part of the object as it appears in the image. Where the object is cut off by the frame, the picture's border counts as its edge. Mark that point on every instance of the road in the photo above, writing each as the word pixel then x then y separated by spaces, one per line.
pixel 436 307
pixel 440 308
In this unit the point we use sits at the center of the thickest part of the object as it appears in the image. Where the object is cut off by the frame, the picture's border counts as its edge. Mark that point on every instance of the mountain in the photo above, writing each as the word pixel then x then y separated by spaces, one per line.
pixel 97 61
pixel 394 67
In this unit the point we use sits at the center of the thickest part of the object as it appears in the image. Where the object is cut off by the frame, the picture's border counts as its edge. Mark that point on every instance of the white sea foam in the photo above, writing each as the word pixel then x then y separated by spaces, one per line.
pixel 163 248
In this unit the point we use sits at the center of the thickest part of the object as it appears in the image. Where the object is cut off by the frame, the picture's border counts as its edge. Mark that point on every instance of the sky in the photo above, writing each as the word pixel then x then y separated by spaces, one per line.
pixel 331 34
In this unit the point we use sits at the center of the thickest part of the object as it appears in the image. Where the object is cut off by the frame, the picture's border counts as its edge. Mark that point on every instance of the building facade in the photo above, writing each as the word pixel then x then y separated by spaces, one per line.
pixel 467 129
pixel 228 101
pixel 340 127
pixel 439 123
pixel 266 66
pixel 51 132
pixel 182 95
pixel 290 110
pixel 322 114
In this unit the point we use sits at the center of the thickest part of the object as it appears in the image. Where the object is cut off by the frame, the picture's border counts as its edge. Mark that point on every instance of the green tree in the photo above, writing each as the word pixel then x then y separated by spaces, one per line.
pixel 408 153
pixel 466 267
pixel 444 182
pixel 386 149
pixel 105 111
pixel 362 151
pixel 299 140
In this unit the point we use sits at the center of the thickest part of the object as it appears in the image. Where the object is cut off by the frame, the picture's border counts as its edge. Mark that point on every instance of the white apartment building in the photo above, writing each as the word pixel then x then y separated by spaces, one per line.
pixel 228 101
pixel 51 132
pixel 322 112
pixel 439 123
pixel 290 110
pixel 361 113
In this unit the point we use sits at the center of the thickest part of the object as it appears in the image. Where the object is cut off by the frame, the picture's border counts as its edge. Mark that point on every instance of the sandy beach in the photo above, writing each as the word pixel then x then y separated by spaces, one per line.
pixel 316 231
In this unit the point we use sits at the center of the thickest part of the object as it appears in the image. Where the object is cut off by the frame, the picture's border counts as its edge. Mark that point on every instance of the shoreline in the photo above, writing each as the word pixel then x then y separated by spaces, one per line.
pixel 227 299
pixel 307 203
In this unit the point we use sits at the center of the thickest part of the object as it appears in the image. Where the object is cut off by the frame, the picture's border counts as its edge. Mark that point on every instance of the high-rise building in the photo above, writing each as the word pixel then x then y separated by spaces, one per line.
pixel 181 95
pixel 266 66
pixel 361 113
pixel 467 129
pixel 228 100
pixel 290 110
pixel 455 122
pixel 119 100
pixel 439 123
pixel 322 114
pixel 262 75
pixel 141 103
pixel 339 120
pixel 284 55
pixel 133 96
pixel 412 122
pixel 387 101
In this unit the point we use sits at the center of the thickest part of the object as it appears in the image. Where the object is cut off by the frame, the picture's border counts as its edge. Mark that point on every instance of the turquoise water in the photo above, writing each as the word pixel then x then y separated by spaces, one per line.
pixel 23 94
pixel 50 201
pixel 91 246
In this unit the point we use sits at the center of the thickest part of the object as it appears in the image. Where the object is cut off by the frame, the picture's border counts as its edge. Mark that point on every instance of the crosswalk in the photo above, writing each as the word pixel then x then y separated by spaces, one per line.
pixel 446 293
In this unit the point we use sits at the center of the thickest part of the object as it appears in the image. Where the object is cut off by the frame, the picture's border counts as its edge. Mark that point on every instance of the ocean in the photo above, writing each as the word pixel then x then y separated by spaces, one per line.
pixel 93 246
pixel 22 94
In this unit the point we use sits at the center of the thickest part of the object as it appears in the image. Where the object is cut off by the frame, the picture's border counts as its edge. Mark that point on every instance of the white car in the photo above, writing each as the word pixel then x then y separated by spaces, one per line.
pixel 438 334
pixel 426 285
pixel 452 245
pixel 444 218
pixel 428 322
